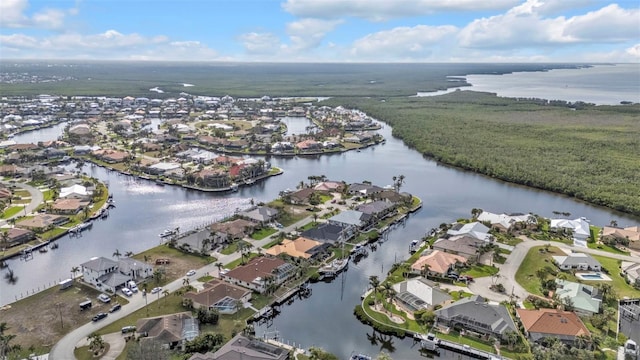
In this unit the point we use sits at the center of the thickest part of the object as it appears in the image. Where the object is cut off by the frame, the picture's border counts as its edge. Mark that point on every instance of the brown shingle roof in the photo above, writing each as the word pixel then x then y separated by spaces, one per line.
pixel 552 321
pixel 257 267
pixel 295 248
pixel 216 290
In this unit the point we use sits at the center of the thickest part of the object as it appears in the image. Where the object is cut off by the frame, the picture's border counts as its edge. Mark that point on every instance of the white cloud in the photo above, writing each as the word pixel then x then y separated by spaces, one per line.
pixel 12 15
pixel 309 33
pixel 523 27
pixel 634 51
pixel 378 10
pixel 416 42
pixel 260 43
pixel 110 44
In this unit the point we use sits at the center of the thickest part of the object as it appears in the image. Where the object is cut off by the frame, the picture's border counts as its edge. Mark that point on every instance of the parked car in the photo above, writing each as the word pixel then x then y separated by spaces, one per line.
pixel 115 308
pixel 104 298
pixel 465 278
pixel 99 316
pixel 191 272
pixel 452 276
pixel 128 329
pixel 133 287
pixel 156 290
pixel 127 292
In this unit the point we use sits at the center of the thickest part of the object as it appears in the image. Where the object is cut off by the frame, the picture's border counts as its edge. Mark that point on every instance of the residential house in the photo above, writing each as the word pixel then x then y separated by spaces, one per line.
pixel 419 294
pixel 351 221
pixel 75 192
pixel 629 319
pixel 438 262
pixel 329 186
pixel 260 214
pixel 393 196
pixel 68 206
pixel 631 233
pixel 505 222
pixel 260 273
pixel 473 229
pixel 308 145
pixel 161 167
pixel 220 295
pixel 562 325
pixel 110 156
pixel 42 222
pixel 579 229
pixel 234 229
pixel 578 261
pixel 631 271
pixel 362 189
pixel 326 233
pixel 16 236
pixel 109 275
pixel 463 245
pixel 213 178
pixel 169 330
pixel 244 348
pixel 585 298
pixel 378 209
pixel 474 314
pixel 301 196
pixel 300 247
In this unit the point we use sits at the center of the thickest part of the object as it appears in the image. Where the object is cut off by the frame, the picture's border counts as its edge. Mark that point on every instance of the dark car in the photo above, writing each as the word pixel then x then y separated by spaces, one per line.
pixel 453 276
pixel 115 307
pixel 99 316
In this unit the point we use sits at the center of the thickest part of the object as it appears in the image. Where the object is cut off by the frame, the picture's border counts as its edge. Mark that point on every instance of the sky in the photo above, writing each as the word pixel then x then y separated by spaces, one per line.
pixel 322 30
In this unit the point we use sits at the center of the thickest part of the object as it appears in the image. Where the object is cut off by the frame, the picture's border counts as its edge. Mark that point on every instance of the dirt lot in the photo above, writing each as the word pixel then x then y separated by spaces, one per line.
pixel 36 320
pixel 42 319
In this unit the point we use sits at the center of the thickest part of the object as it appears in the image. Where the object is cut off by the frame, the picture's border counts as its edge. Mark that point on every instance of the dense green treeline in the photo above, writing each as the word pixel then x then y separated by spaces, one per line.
pixel 592 153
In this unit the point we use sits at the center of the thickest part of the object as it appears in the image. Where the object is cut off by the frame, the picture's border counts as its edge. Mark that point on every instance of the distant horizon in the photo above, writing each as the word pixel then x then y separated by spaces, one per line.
pixel 344 31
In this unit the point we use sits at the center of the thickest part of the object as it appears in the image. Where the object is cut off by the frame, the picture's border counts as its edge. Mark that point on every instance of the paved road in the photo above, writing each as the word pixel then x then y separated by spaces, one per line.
pixel 63 350
pixel 481 286
pixel 36 199
pixel 116 345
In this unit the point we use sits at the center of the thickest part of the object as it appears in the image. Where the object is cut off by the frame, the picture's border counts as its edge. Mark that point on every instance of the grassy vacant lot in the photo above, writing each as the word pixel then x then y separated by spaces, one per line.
pixel 537 259
pixel 179 262
pixel 613 267
pixel 592 153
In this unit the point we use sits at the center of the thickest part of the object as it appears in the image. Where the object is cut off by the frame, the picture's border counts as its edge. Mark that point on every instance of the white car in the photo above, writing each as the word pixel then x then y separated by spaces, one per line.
pixel 156 290
pixel 191 272
pixel 104 298
pixel 127 292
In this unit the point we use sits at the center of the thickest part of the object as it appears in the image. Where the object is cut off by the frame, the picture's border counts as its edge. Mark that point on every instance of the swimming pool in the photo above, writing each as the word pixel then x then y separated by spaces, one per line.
pixel 593 276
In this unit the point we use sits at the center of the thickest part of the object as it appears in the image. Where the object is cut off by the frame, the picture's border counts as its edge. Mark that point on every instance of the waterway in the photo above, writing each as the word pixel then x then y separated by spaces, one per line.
pixel 144 209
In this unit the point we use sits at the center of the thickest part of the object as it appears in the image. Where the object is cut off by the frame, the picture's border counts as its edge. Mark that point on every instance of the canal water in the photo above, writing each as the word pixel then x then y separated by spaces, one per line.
pixel 144 209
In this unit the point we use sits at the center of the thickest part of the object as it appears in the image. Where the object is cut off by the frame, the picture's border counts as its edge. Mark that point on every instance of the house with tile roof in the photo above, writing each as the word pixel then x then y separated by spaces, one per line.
pixel 579 229
pixel 631 233
pixel 75 192
pixel 260 273
pixel 300 247
pixel 578 261
pixel 260 214
pixel 219 295
pixel 585 298
pixel 505 222
pixel 234 229
pixel 170 330
pixel 474 314
pixel 439 262
pixel 562 325
pixel 463 245
pixel 419 294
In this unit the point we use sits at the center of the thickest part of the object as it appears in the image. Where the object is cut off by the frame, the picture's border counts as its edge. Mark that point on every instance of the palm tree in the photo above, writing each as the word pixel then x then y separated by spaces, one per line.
pixel 74 270
pixel 374 282
pixel 425 270
pixel 117 254
pixel 613 223
pixel 128 254
pixel 219 265
pixel 96 343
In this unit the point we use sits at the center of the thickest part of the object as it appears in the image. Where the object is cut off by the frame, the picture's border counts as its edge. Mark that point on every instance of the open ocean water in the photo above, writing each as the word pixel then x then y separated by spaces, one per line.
pixel 599 84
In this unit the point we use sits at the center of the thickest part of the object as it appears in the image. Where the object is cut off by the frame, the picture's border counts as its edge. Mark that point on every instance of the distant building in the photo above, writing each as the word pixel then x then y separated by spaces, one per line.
pixel 169 330
pixel 109 275
pixel 260 273
pixel 579 229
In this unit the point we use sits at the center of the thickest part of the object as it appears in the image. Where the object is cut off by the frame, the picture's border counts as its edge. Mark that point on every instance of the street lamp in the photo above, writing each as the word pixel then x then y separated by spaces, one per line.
pixel 60 312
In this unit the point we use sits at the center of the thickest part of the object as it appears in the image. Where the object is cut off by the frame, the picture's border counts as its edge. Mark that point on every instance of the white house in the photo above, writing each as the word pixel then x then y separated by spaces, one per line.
pixel 505 221
pixel 579 228
pixel 75 192
pixel 474 229
pixel 578 261
pixel 109 275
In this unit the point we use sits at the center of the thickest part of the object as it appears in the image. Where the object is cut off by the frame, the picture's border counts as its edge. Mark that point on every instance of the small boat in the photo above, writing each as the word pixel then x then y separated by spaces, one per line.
pixel 359 357
pixel 167 233
pixel 428 342
pixel 359 250
pixel 81 227
pixel 54 246
pixel 159 182
pixel 43 249
pixel 413 247
pixel 234 187
pixel 334 267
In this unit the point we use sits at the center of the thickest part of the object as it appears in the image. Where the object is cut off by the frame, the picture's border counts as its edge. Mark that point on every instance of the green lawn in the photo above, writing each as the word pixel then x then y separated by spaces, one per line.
pixel 618 282
pixel 456 337
pixel 263 233
pixel 230 248
pixel 12 211
pixel 235 263
pixel 535 259
pixel 479 270
pixel 606 248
